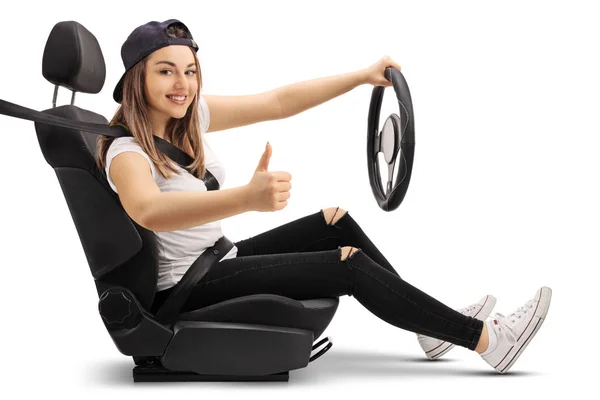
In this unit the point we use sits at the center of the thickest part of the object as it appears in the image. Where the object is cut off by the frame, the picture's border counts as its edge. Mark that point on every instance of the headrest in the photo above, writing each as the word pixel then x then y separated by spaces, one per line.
pixel 73 58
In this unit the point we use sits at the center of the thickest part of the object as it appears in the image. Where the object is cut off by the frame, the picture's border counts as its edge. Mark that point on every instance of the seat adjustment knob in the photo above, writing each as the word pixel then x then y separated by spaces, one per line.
pixel 114 307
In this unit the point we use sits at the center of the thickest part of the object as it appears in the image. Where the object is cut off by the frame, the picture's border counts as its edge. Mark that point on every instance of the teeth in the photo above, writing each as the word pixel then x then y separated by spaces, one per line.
pixel 178 98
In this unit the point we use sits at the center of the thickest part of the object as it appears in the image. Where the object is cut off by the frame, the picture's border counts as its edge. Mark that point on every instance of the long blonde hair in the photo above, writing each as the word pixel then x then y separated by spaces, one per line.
pixel 133 114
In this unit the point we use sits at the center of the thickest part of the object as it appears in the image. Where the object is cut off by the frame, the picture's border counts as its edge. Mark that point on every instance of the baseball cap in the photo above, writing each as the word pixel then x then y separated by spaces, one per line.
pixel 146 39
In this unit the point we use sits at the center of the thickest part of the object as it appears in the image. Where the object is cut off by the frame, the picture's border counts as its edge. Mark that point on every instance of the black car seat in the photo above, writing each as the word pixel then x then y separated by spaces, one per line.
pixel 258 337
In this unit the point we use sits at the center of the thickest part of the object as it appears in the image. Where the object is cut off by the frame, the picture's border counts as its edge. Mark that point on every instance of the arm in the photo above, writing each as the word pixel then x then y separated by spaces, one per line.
pixel 228 112
pixel 294 99
pixel 233 111
pixel 168 211
pixel 299 97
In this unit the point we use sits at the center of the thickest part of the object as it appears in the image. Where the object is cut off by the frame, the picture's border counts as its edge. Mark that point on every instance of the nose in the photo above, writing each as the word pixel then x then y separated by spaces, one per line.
pixel 181 82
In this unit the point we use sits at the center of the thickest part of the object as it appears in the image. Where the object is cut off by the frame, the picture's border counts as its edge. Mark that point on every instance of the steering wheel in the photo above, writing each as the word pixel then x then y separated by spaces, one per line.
pixel 396 140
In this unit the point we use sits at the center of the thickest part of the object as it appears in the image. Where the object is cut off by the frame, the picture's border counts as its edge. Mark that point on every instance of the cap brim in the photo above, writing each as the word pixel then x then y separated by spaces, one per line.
pixel 118 92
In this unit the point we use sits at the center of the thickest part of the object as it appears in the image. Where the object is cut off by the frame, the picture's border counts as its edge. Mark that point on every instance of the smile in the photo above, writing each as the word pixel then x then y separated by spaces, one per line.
pixel 179 100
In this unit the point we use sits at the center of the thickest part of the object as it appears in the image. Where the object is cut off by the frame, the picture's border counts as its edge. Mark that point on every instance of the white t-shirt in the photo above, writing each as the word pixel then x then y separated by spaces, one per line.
pixel 177 250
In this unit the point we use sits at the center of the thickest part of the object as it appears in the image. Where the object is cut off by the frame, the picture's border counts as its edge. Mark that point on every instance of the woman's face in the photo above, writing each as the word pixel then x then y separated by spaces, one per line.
pixel 171 82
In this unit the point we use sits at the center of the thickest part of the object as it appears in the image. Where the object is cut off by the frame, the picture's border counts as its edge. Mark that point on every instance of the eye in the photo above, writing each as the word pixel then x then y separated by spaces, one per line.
pixel 168 72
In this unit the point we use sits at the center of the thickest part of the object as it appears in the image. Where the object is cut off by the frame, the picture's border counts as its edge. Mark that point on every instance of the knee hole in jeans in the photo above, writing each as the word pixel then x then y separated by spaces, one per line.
pixel 333 214
pixel 347 252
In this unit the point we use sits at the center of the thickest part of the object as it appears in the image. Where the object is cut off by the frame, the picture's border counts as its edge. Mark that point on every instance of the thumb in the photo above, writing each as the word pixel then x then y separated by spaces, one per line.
pixel 263 164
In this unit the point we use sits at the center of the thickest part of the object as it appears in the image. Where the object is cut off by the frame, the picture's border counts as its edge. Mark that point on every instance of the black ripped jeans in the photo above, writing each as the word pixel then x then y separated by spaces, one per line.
pixel 302 260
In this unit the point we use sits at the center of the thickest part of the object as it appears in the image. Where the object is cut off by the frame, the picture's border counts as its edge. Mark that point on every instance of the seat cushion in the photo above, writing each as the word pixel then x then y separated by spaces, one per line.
pixel 269 309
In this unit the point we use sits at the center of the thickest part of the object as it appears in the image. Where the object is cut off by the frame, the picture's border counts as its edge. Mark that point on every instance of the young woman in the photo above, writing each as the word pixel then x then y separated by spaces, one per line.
pixel 323 254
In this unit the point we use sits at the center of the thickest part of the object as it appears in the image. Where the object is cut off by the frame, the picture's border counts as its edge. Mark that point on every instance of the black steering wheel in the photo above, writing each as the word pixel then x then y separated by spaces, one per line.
pixel 396 140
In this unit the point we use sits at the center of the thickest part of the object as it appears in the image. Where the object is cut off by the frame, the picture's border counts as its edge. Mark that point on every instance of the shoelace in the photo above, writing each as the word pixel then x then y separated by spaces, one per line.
pixel 521 311
pixel 468 309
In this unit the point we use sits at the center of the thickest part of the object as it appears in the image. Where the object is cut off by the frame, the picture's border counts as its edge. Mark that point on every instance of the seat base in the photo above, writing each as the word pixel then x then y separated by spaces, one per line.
pixel 157 373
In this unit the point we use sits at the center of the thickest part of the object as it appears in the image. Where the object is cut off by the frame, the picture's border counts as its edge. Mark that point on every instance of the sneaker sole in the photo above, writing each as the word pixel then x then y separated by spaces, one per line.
pixel 486 310
pixel 532 328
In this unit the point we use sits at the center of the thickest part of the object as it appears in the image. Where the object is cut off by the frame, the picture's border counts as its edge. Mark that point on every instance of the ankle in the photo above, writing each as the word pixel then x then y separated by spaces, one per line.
pixel 484 340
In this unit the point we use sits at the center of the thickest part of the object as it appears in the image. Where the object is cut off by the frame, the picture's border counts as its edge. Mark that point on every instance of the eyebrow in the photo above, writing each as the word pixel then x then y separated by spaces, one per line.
pixel 173 64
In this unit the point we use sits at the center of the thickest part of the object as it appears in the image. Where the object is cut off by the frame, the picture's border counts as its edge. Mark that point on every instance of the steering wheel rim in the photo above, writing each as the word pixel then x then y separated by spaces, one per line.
pixel 398 132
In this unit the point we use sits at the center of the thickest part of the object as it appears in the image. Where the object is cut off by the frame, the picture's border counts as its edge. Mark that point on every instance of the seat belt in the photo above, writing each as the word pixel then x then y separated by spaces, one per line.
pixel 169 311
pixel 173 152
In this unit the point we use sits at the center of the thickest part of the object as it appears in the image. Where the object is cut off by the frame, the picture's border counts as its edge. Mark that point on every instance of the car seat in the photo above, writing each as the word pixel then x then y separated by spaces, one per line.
pixel 258 337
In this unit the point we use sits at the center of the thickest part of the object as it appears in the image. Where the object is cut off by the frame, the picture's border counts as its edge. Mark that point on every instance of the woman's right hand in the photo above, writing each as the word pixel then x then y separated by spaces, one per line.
pixel 268 191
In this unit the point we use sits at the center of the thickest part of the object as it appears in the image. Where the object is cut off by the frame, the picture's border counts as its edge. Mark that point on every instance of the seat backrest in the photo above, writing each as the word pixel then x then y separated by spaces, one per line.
pixel 119 252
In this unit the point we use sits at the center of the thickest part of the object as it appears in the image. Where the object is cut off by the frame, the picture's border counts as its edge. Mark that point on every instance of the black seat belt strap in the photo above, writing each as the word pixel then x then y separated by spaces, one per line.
pixel 172 307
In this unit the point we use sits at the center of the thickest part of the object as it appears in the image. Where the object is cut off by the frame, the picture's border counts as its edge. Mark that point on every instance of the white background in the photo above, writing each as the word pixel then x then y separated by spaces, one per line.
pixel 503 197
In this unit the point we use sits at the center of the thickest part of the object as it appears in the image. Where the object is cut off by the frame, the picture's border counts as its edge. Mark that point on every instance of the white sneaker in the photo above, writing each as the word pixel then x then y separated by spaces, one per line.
pixel 435 348
pixel 513 333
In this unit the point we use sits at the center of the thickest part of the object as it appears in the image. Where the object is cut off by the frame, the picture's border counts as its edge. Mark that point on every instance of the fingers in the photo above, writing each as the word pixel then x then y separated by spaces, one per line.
pixel 282 176
pixel 283 196
pixel 281 205
pixel 391 63
pixel 284 186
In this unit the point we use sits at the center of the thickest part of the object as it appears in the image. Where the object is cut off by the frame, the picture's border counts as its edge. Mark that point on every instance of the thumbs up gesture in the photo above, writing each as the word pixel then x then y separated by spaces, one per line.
pixel 268 191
